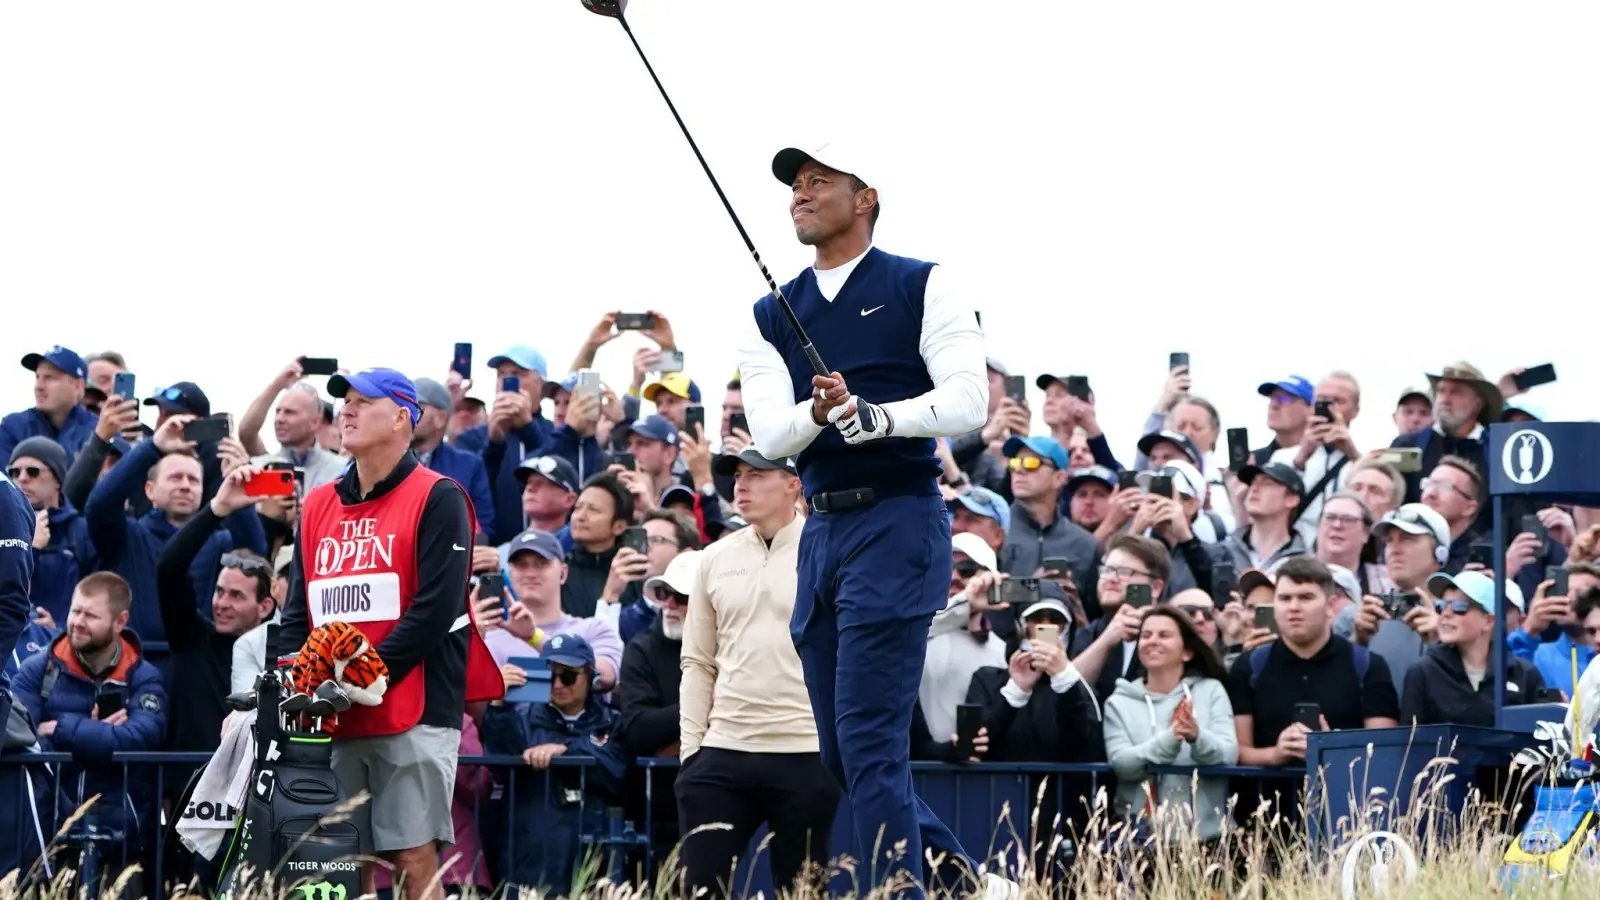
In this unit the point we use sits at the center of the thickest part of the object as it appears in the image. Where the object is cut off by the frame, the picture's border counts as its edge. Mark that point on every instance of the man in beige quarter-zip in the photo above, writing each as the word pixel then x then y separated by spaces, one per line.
pixel 749 741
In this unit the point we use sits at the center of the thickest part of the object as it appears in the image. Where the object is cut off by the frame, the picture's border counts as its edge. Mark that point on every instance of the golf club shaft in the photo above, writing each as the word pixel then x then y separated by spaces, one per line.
pixel 783 302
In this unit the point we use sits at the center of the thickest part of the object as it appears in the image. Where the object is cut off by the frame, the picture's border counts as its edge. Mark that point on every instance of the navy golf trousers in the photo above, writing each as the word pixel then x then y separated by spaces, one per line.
pixel 870 580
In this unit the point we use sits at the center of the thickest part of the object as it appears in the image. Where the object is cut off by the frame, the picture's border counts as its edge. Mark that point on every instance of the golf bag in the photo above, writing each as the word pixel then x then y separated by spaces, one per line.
pixel 281 834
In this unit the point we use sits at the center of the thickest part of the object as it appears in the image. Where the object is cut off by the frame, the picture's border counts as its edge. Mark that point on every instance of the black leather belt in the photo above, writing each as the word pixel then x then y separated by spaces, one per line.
pixel 839 501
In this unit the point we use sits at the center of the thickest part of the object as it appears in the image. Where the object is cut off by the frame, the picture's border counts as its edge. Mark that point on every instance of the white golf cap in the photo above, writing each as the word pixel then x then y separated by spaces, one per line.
pixel 1414 518
pixel 833 154
pixel 1185 478
pixel 975 549
pixel 680 574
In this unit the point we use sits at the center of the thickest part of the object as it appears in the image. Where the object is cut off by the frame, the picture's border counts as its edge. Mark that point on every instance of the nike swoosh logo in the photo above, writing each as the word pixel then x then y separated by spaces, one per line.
pixel 458 547
pixel 868 312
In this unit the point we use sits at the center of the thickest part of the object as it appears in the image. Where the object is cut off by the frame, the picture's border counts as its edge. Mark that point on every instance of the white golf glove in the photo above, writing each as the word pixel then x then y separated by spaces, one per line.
pixel 869 423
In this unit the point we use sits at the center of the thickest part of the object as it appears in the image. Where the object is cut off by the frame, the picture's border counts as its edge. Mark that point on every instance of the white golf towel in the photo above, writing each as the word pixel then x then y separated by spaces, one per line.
pixel 220 793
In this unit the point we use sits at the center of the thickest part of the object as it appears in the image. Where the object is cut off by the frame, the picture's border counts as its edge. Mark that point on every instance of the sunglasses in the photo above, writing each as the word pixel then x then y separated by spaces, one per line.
pixel 967 568
pixel 544 465
pixel 18 471
pixel 171 393
pixel 244 564
pixel 1458 607
pixel 567 678
pixel 1199 613
pixel 1026 463
pixel 665 595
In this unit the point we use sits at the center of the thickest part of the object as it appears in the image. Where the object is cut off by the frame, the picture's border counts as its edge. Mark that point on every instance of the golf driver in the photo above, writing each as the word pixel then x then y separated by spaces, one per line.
pixel 613 9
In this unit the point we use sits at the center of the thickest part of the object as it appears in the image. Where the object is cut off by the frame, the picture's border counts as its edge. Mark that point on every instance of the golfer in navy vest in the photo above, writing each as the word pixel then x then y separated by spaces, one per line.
pixel 875 556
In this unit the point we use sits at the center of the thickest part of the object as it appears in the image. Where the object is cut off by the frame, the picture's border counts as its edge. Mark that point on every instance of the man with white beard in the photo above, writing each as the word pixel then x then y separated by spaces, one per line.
pixel 647 693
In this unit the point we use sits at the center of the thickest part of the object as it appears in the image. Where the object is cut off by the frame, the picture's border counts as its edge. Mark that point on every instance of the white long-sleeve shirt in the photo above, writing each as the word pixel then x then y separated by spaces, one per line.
pixel 951 346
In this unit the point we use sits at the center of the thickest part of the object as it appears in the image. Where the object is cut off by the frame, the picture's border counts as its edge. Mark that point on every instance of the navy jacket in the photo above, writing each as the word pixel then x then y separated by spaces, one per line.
pixel 67 698
pixel 34 638
pixel 501 461
pixel 467 470
pixel 16 563
pixel 73 434
pixel 63 562
pixel 130 547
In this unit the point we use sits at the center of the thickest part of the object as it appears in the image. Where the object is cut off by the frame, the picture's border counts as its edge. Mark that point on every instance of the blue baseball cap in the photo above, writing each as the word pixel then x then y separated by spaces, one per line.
pixel 523 357
pixel 1478 587
pixel 1045 447
pixel 184 397
pixel 379 383
pixel 568 384
pixel 60 357
pixel 980 501
pixel 655 428
pixel 543 543
pixel 568 650
pixel 676 492
pixel 1295 386
pixel 1090 473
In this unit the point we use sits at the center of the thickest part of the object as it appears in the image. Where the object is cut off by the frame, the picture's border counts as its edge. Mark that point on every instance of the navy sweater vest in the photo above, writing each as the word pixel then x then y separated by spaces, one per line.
pixel 872 335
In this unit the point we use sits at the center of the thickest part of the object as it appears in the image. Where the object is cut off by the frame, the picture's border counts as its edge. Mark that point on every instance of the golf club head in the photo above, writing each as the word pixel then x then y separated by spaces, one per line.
pixel 334 694
pixel 296 703
pixel 242 701
pixel 611 9
pixel 320 709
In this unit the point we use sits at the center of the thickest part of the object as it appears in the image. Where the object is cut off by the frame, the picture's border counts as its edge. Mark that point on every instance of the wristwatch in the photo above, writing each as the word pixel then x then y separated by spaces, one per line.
pixel 960 479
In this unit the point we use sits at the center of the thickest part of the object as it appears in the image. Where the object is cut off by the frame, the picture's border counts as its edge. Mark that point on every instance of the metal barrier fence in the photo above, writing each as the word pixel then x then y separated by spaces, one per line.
pixel 535 825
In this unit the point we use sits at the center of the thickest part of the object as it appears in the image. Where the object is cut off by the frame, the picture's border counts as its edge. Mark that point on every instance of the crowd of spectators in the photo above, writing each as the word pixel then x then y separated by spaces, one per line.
pixel 1194 607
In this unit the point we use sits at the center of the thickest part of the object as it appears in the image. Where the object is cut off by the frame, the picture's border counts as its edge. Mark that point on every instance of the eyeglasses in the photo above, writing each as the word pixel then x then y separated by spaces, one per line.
pixel 1457 607
pixel 663 594
pixel 1122 572
pixel 1027 463
pixel 1343 521
pixel 967 568
pixel 568 678
pixel 1199 613
pixel 1444 486
pixel 656 540
pixel 244 564
pixel 19 471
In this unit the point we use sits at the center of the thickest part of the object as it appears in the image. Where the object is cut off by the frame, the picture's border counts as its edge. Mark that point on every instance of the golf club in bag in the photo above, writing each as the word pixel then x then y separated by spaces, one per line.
pixel 280 834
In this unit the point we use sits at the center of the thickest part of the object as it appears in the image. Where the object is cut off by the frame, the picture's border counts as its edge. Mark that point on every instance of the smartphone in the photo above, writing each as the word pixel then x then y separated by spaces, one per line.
pixel 1019 593
pixel 670 361
pixel 1548 695
pixel 1047 634
pixel 1222 581
pixel 510 384
pixel 1558 574
pixel 1481 553
pixel 1161 486
pixel 494 587
pixel 1137 595
pixel 299 480
pixel 1017 389
pixel 1127 481
pixel 537 688
pixel 1078 386
pixel 1309 715
pixel 969 718
pixel 461 363
pixel 122 386
pixel 270 483
pixel 1056 565
pixel 1267 617
pixel 738 422
pixel 205 431
pixel 1535 376
pixel 107 703
pixel 1238 448
pixel 588 382
pixel 1324 409
pixel 1405 460
pixel 625 460
pixel 635 321
pixel 636 538
pixel 318 365
pixel 1532 525
pixel 1176 361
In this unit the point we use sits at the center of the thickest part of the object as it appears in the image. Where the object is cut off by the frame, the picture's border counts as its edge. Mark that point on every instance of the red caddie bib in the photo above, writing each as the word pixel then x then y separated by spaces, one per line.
pixel 360 566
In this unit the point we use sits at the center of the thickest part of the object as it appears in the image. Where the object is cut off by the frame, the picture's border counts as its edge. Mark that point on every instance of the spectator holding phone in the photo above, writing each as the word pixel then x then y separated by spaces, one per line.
pixel 1038 528
pixel 58 412
pixel 516 430
pixel 1178 714
pixel 960 641
pixel 1454 684
pixel 538 568
pixel 62 551
pixel 427 442
pixel 93 694
pixel 604 509
pixel 1400 623
pixel 1323 457
pixel 1107 649
pixel 294 424
pixel 1455 490
pixel 1557 625
pixel 623 602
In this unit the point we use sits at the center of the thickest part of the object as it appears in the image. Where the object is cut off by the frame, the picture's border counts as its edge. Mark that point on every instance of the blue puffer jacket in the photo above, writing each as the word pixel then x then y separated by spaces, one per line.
pixel 34 638
pixel 63 562
pixel 130 547
pixel 54 687
pixel 73 434
pixel 564 802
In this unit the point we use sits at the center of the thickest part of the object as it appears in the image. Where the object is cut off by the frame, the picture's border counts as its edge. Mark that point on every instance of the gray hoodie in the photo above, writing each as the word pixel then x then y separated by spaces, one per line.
pixel 1138 734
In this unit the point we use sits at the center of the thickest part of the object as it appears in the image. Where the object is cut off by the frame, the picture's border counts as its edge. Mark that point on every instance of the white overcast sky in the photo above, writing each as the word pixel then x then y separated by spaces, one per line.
pixel 215 188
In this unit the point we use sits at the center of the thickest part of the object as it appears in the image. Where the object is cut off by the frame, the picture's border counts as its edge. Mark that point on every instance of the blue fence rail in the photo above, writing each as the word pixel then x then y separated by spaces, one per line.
pixel 530 821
